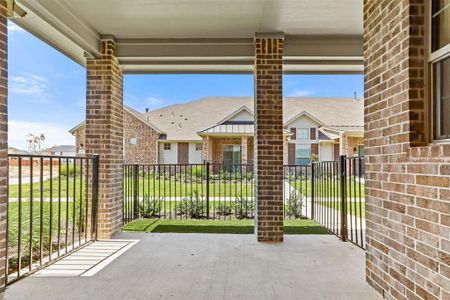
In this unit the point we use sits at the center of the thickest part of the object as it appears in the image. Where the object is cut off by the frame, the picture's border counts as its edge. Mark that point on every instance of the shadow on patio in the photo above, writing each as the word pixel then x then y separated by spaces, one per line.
pixel 210 266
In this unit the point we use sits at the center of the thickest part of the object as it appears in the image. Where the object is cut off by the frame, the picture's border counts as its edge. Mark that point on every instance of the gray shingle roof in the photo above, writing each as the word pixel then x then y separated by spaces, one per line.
pixel 183 121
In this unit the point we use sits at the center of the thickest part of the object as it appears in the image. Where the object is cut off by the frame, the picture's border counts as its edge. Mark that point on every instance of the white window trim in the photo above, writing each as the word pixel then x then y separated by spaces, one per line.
pixel 310 152
pixel 434 58
pixel 164 146
pixel 297 129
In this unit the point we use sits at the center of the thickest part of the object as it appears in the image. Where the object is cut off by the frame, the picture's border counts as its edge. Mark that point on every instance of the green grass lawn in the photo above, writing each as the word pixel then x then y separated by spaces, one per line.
pixel 177 188
pixel 66 210
pixel 218 226
pixel 63 183
pixel 352 207
pixel 329 188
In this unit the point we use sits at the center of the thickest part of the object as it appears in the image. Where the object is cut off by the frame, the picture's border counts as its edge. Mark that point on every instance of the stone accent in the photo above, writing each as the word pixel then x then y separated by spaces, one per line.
pixel 269 138
pixel 104 134
pixel 3 141
pixel 407 187
pixel 244 149
pixel 206 149
pixel 146 149
pixel 80 140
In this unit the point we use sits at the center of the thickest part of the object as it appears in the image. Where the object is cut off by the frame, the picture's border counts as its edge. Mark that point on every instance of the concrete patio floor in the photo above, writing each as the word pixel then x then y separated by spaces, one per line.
pixel 206 266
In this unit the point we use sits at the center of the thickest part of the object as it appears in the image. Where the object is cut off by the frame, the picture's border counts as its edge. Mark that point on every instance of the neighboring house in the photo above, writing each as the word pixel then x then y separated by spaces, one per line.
pixel 140 141
pixel 16 151
pixel 221 129
pixel 62 150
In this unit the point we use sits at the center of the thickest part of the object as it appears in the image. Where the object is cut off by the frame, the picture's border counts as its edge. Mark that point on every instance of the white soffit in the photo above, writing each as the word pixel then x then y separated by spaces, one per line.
pixel 202 35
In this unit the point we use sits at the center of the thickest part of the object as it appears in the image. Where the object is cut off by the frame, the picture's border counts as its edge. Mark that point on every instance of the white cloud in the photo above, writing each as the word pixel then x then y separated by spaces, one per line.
pixel 14 27
pixel 153 102
pixel 300 93
pixel 55 134
pixel 31 85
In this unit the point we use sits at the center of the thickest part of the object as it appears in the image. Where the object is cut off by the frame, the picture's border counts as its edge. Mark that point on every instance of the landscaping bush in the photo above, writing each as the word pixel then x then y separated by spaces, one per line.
pixel 150 207
pixel 193 207
pixel 69 170
pixel 224 210
pixel 243 208
pixel 197 172
pixel 294 205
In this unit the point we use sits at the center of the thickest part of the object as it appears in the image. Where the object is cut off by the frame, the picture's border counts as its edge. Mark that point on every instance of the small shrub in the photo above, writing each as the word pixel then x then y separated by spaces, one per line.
pixel 224 175
pixel 69 170
pixel 294 205
pixel 197 172
pixel 243 208
pixel 150 207
pixel 224 210
pixel 236 177
pixel 194 206
pixel 249 175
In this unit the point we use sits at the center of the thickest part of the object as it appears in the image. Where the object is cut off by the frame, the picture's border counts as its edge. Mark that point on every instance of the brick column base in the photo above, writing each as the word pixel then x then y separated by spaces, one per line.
pixel 269 138
pixel 104 135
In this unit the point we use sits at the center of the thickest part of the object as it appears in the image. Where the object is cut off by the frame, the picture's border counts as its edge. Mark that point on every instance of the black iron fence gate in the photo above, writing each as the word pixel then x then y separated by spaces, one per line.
pixel 329 192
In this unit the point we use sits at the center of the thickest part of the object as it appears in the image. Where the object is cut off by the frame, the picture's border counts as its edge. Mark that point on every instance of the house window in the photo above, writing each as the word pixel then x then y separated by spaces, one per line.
pixel 302 133
pixel 198 147
pixel 302 154
pixel 231 157
pixel 167 146
pixel 133 141
pixel 440 61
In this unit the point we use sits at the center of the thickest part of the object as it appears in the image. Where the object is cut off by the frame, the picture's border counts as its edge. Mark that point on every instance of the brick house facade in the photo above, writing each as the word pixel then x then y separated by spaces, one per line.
pixel 140 139
pixel 407 175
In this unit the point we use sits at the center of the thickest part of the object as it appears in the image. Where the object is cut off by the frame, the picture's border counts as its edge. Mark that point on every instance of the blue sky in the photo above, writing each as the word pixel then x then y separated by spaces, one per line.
pixel 47 90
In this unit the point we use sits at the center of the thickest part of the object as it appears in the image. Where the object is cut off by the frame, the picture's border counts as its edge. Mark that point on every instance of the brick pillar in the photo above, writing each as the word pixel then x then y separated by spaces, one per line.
pixel 3 142
pixel 244 150
pixel 343 144
pixel 206 148
pixel 104 134
pixel 269 137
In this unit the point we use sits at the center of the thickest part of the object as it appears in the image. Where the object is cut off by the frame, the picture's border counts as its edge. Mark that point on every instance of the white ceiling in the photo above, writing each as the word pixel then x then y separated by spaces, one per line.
pixel 215 18
pixel 147 28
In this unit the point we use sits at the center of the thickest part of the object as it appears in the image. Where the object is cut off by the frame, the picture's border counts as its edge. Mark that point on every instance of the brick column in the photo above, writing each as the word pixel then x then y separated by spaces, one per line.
pixel 269 137
pixel 343 143
pixel 3 142
pixel 206 148
pixel 244 149
pixel 104 134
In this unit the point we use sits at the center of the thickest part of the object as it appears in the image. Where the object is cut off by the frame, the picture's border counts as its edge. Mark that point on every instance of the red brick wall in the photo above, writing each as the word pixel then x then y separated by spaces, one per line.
pixel 407 187
pixel 104 134
pixel 217 145
pixel 269 139
pixel 3 141
pixel 145 151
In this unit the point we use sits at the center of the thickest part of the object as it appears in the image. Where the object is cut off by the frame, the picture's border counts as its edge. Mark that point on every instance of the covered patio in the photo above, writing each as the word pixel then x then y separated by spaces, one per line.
pixel 407 183
pixel 204 266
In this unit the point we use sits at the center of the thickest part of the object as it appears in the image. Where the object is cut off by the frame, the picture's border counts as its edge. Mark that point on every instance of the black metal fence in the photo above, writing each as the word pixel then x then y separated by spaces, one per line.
pixel 329 192
pixel 52 203
pixel 338 199
pixel 183 191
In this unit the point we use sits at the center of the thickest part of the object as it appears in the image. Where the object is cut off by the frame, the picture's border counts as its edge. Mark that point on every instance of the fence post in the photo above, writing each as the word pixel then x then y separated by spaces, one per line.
pixel 343 175
pixel 313 194
pixel 207 189
pixel 95 175
pixel 136 191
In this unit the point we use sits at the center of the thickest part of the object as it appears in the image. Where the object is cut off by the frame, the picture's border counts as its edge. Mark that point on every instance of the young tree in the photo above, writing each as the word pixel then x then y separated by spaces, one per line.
pixel 35 142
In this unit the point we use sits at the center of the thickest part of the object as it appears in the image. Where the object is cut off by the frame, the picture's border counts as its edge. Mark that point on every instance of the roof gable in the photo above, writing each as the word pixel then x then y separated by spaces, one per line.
pixel 241 114
pixel 304 114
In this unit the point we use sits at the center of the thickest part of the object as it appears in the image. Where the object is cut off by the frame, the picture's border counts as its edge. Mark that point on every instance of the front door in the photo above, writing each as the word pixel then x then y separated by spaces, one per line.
pixel 183 153
pixel 231 157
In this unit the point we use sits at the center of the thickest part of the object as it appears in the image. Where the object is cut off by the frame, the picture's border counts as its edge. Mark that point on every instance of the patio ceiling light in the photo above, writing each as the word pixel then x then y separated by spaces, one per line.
pixel 14 10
